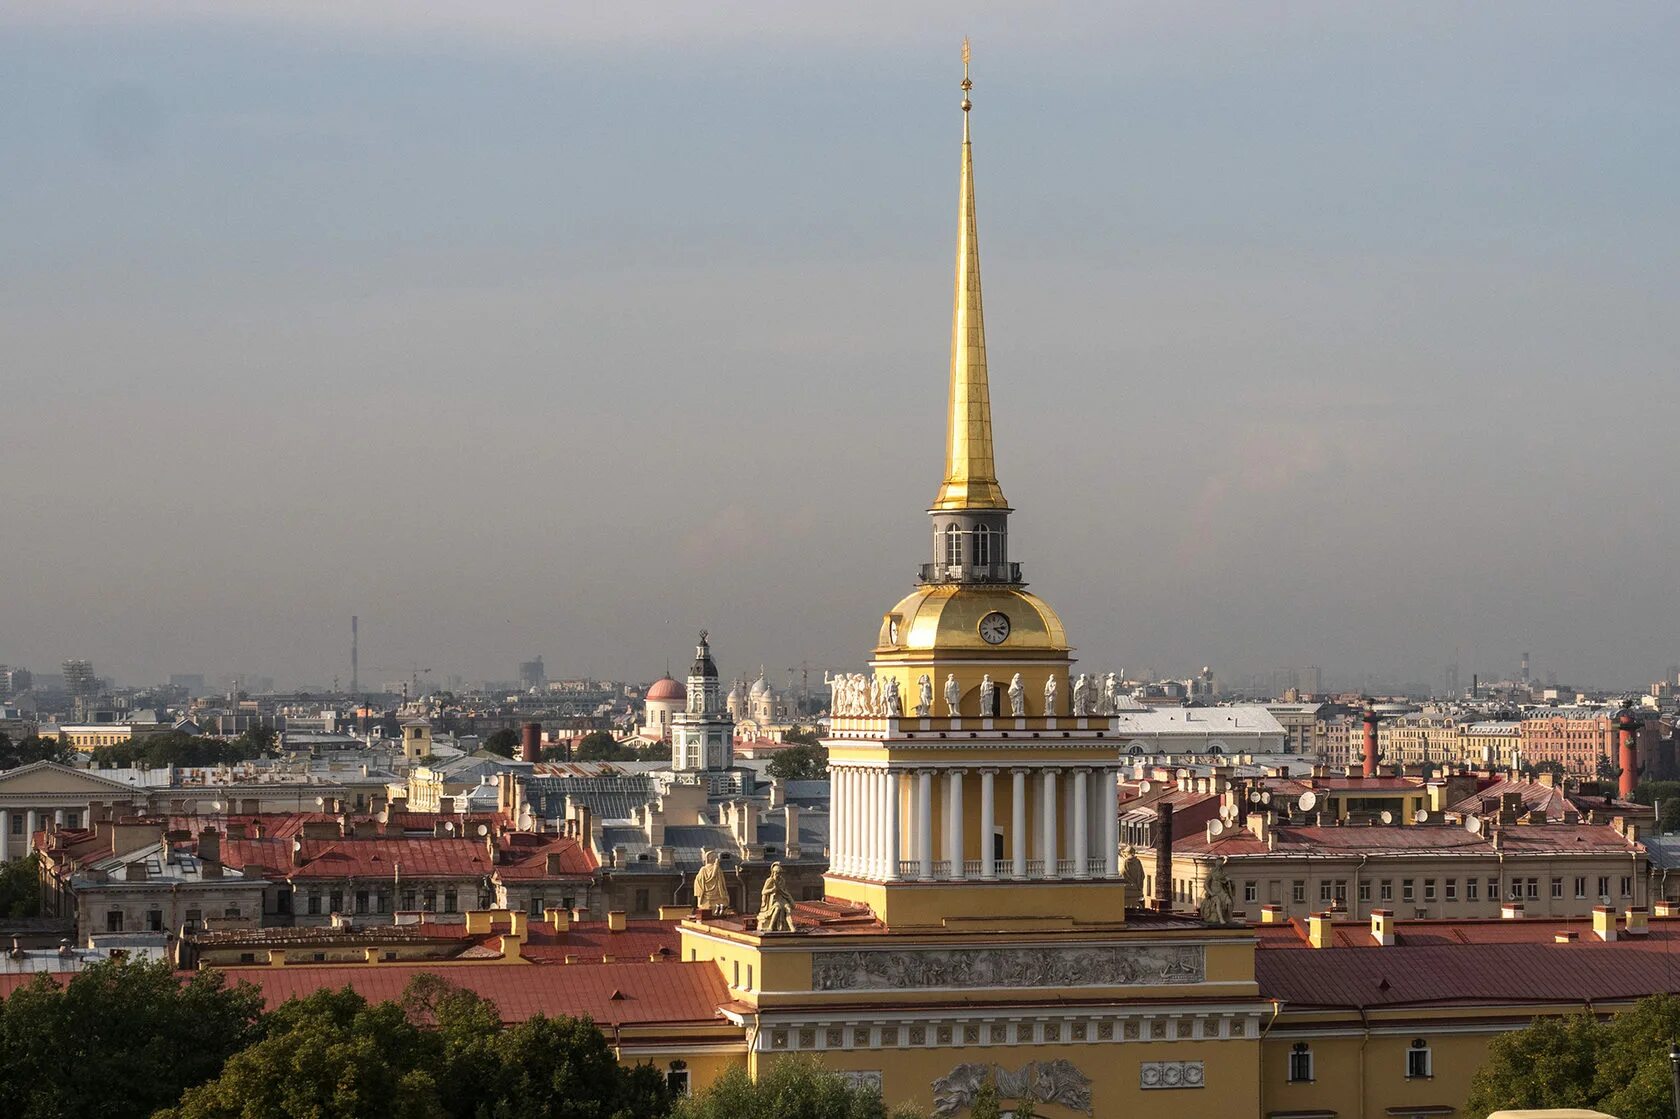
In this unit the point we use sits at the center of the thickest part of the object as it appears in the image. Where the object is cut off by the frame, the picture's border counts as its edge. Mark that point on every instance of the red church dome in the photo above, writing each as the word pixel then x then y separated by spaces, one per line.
pixel 668 690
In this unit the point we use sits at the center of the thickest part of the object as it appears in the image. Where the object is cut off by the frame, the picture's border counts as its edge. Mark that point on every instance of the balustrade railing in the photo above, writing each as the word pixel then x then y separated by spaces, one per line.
pixel 972 868
pixel 1065 868
pixel 1035 868
pixel 1096 868
pixel 909 868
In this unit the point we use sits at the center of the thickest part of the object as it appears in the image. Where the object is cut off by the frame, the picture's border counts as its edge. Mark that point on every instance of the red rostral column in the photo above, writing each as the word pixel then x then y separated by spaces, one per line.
pixel 1370 718
pixel 1627 726
pixel 530 742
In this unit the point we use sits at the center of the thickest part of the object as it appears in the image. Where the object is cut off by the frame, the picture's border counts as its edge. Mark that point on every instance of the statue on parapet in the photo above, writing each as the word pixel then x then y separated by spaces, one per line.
pixel 711 892
pixel 1218 899
pixel 988 696
pixel 1017 696
pixel 1082 695
pixel 953 696
pixel 924 694
pixel 893 701
pixel 775 903
pixel 1050 695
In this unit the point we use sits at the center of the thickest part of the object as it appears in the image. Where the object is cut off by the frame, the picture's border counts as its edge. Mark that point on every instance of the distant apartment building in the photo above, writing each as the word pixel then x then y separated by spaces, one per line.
pixel 1579 737
pixel 14 681
pixel 79 679
pixel 1300 726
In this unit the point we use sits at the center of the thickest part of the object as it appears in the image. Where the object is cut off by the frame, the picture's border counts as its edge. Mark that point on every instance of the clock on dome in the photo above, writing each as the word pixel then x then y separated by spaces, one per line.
pixel 994 628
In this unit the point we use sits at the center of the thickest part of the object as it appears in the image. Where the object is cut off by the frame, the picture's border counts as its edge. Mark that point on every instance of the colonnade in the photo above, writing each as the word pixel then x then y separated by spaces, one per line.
pixel 893 823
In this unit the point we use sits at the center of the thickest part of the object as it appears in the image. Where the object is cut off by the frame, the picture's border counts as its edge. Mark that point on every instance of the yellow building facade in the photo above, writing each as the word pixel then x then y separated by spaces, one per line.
pixel 975 928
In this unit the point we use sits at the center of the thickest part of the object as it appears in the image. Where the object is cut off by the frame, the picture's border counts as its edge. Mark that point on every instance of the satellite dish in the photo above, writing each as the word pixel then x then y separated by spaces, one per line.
pixel 1387 817
pixel 1266 797
pixel 1216 828
pixel 215 806
pixel 320 802
pixel 449 827
pixel 483 830
pixel 1422 816
pixel 1307 801
pixel 1144 786
pixel 1473 825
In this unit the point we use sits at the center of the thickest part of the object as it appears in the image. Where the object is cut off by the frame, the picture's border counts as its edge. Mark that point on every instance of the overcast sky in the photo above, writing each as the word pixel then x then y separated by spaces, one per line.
pixel 1319 334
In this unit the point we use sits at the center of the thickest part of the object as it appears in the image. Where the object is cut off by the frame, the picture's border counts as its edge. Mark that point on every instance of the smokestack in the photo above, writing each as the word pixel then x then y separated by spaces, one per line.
pixel 530 742
pixel 1525 667
pixel 355 679
pixel 1627 728
pixel 1163 858
pixel 1370 720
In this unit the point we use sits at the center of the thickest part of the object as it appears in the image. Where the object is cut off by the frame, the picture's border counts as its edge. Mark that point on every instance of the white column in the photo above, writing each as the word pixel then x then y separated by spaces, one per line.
pixel 854 813
pixel 873 824
pixel 837 819
pixel 1018 825
pixel 5 835
pixel 889 819
pixel 924 822
pixel 1110 801
pixel 1081 822
pixel 988 823
pixel 29 832
pixel 954 822
pixel 1050 823
pixel 58 816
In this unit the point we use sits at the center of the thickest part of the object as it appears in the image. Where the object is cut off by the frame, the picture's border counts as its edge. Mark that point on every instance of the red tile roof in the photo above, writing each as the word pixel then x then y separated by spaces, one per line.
pixel 1521 839
pixel 423 857
pixel 611 994
pixel 1464 962
pixel 593 940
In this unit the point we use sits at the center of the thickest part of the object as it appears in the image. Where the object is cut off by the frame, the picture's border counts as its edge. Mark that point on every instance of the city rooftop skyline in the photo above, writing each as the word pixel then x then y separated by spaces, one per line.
pixel 1335 338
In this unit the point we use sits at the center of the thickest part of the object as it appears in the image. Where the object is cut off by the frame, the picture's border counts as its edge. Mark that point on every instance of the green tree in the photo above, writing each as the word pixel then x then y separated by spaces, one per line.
pixel 792 1088
pixel 800 734
pixel 1620 1066
pixel 563 1068
pixel 504 742
pixel 31 749
pixel 119 1040
pixel 599 746
pixel 20 887
pixel 799 763
pixel 1669 819
pixel 1655 792
pixel 985 1105
pixel 330 1054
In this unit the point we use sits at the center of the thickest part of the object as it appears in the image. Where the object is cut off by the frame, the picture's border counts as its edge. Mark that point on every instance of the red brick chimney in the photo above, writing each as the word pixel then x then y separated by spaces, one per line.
pixel 1627 727
pixel 1370 720
pixel 530 742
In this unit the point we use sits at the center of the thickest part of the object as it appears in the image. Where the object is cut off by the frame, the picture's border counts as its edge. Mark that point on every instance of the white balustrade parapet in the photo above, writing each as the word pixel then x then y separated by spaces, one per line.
pixel 971 868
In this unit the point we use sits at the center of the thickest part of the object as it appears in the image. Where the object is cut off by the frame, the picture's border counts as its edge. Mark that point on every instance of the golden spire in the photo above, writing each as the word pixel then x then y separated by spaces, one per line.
pixel 970 472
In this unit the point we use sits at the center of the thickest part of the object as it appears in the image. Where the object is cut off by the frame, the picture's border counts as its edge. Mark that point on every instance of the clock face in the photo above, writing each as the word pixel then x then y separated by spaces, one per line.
pixel 892 631
pixel 994 628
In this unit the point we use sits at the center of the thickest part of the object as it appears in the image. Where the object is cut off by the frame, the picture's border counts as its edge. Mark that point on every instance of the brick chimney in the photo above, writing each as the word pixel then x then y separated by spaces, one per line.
pixel 790 814
pixel 1382 927
pixel 1163 858
pixel 1271 914
pixel 530 742
pixel 1637 923
pixel 210 853
pixel 1604 922
pixel 1319 930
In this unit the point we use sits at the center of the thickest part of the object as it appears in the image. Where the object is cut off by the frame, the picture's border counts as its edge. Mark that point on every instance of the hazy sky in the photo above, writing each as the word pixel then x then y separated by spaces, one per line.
pixel 1320 334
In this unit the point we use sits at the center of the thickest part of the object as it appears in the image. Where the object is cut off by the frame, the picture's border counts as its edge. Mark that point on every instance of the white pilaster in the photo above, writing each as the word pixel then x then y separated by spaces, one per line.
pixel 1050 821
pixel 889 815
pixel 988 823
pixel 5 835
pixel 1081 822
pixel 924 822
pixel 1018 825
pixel 954 823
pixel 1110 801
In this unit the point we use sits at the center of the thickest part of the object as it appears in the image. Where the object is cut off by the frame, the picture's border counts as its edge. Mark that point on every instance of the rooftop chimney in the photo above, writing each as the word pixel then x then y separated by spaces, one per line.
pixel 1604 922
pixel 1271 914
pixel 1319 930
pixel 1382 927
pixel 1369 718
pixel 530 742
pixel 1637 924
pixel 1627 729
pixel 790 816
pixel 1163 858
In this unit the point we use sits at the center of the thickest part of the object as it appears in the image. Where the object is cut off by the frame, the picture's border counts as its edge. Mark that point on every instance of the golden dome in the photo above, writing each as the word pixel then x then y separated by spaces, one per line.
pixel 943 617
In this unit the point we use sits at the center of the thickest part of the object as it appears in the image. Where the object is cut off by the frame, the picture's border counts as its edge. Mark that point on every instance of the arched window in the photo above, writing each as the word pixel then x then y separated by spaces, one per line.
pixel 982 546
pixel 953 546
pixel 1300 1063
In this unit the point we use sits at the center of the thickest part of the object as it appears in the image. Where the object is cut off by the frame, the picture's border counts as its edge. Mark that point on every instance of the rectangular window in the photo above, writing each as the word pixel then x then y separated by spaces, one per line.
pixel 1557 887
pixel 1493 889
pixel 1300 1063
pixel 17 823
pixel 361 901
pixel 1341 890
pixel 195 918
pixel 1298 891
pixel 1365 890
pixel 536 909
pixel 677 1081
pixel 1580 887
pixel 1406 891
pixel 1387 890
pixel 1531 888
pixel 735 979
pixel 1251 891
pixel 1418 1062
pixel 314 904
pixel 114 921
pixel 1627 886
pixel 449 901
pixel 408 899
pixel 1324 891
pixel 642 901
pixel 381 902
pixel 1429 889
pixel 1604 887
pixel 1452 889
pixel 1472 889
pixel 154 920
